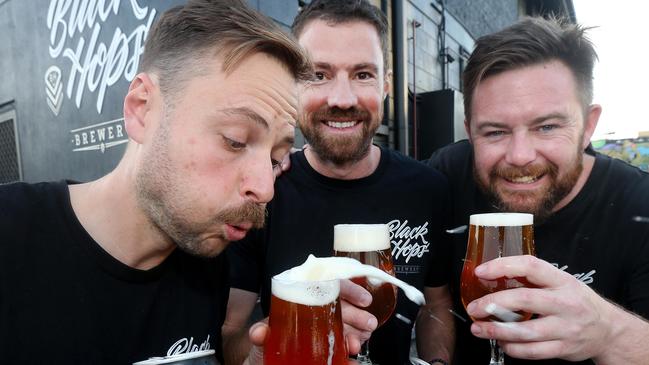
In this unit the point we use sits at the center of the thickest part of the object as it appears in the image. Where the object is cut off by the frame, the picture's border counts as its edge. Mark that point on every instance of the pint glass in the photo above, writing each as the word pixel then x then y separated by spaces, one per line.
pixel 305 324
pixel 369 244
pixel 491 236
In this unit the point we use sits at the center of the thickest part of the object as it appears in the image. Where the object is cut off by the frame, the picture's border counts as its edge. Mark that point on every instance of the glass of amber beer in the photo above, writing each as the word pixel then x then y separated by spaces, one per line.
pixel 369 244
pixel 305 323
pixel 491 236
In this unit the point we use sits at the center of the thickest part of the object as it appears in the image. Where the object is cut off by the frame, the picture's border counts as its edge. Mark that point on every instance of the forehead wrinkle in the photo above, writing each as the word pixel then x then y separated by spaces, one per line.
pixel 282 102
pixel 248 114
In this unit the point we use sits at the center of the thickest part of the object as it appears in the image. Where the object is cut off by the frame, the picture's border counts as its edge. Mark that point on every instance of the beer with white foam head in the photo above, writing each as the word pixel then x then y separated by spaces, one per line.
pixel 305 323
pixel 491 236
pixel 369 244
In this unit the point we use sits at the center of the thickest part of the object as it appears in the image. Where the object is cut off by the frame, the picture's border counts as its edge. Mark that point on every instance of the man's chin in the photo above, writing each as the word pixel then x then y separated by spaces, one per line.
pixel 207 248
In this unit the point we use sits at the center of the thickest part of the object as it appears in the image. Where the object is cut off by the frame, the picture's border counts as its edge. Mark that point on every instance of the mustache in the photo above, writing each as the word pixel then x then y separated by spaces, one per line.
pixel 251 212
pixel 509 172
pixel 335 112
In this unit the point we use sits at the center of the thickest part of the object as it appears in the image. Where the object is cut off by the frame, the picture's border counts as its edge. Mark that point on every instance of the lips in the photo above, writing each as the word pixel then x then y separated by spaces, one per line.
pixel 528 179
pixel 341 125
pixel 236 232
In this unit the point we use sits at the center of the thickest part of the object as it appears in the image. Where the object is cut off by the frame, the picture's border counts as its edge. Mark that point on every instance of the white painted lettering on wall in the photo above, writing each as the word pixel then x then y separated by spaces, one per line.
pixel 408 242
pixel 93 65
pixel 100 136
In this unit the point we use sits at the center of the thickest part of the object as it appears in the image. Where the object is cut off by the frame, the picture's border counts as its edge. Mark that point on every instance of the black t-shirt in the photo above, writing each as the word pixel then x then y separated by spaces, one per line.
pixel 600 237
pixel 64 300
pixel 407 195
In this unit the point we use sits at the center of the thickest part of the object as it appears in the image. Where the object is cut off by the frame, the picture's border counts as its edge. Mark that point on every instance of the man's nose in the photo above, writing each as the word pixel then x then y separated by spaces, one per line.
pixel 258 181
pixel 342 95
pixel 521 150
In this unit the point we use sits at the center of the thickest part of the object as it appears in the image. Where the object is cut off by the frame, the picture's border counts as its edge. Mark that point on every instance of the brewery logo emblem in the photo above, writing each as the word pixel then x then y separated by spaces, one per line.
pixel 91 64
pixel 408 242
pixel 99 137
pixel 54 89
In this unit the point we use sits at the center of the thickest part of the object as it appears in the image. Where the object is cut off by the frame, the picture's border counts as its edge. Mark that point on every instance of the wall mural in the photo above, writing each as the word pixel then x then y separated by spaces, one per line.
pixel 84 65
pixel 634 151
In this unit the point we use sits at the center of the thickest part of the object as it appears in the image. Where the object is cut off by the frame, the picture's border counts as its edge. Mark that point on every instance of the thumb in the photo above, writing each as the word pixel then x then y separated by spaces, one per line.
pixel 257 335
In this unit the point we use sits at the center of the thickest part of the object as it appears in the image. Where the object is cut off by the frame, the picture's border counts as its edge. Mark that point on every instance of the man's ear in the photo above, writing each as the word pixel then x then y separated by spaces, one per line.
pixel 467 128
pixel 387 83
pixel 590 123
pixel 138 103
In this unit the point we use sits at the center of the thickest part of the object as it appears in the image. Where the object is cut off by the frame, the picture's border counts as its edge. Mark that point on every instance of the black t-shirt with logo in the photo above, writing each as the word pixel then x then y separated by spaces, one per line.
pixel 601 237
pixel 64 300
pixel 403 193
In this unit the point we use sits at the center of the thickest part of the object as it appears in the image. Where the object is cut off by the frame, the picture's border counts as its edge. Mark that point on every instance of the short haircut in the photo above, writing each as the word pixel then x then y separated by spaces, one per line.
pixel 184 36
pixel 532 41
pixel 344 11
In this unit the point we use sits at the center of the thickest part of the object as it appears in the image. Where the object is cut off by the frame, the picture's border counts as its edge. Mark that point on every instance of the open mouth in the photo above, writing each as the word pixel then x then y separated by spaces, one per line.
pixel 524 179
pixel 341 125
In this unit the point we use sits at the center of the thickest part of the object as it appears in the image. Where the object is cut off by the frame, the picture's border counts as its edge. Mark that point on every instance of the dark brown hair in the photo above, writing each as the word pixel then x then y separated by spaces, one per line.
pixel 344 11
pixel 177 45
pixel 532 41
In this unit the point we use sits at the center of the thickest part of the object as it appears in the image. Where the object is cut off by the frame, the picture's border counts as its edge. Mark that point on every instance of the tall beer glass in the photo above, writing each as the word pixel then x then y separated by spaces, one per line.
pixel 305 324
pixel 369 244
pixel 491 236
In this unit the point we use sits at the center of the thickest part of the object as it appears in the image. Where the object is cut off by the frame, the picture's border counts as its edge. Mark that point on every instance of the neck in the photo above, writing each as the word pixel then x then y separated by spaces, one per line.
pixel 346 171
pixel 108 210
pixel 588 163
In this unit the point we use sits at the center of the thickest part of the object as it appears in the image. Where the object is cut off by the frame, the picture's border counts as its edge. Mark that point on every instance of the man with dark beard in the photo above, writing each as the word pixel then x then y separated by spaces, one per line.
pixel 343 178
pixel 529 118
pixel 90 273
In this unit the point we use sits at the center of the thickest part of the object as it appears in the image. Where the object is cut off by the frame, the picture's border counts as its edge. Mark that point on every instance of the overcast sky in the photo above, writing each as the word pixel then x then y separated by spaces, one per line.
pixel 622 74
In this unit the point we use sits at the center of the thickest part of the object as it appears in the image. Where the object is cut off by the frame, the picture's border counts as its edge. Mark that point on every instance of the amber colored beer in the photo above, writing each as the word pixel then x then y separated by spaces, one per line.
pixel 492 236
pixel 383 294
pixel 305 324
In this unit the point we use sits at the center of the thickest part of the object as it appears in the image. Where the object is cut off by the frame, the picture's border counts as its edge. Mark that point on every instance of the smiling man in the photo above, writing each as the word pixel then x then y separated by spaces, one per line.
pixel 342 177
pixel 529 118
pixel 126 267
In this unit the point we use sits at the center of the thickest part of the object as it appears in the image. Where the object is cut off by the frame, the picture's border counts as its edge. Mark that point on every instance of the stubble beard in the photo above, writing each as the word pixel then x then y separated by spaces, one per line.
pixel 162 196
pixel 541 203
pixel 339 150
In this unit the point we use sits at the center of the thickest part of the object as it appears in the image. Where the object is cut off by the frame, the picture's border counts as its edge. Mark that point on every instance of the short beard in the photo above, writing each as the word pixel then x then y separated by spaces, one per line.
pixel 163 197
pixel 530 202
pixel 339 150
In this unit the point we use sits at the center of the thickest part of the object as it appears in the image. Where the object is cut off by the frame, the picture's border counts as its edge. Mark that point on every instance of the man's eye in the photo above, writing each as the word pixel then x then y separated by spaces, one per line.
pixel 275 163
pixel 235 145
pixel 494 133
pixel 364 76
pixel 319 75
pixel 547 127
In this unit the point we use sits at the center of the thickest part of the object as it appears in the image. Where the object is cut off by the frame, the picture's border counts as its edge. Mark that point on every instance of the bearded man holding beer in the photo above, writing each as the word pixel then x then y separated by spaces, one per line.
pixel 341 177
pixel 529 118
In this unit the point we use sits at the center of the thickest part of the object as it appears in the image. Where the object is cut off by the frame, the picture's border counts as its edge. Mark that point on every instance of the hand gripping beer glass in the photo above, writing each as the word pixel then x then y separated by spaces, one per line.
pixel 491 236
pixel 369 244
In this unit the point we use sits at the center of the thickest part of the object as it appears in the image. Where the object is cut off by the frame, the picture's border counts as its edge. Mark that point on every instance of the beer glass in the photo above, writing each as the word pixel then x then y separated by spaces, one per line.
pixel 305 324
pixel 369 244
pixel 491 236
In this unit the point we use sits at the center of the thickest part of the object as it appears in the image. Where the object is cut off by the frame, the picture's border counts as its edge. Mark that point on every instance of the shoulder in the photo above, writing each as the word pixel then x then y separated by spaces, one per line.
pixel 23 202
pixel 618 181
pixel 408 168
pixel 452 157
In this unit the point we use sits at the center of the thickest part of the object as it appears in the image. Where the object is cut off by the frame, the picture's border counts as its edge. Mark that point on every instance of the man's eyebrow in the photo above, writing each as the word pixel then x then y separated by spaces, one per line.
pixel 248 114
pixel 289 139
pixel 489 124
pixel 555 115
pixel 367 66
